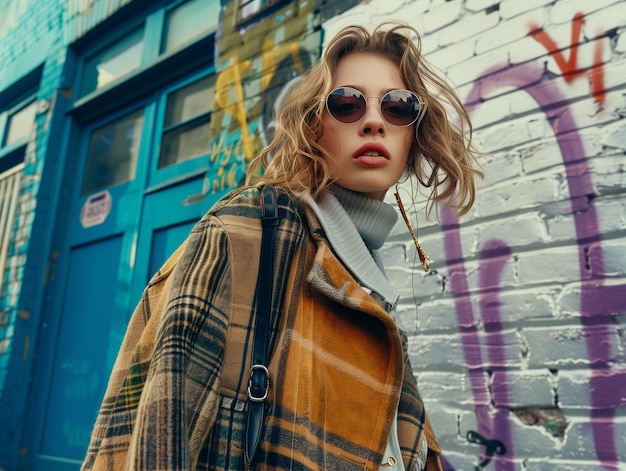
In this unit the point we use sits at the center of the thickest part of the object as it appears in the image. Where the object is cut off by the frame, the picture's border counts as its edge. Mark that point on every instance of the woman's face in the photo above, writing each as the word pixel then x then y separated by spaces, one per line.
pixel 370 155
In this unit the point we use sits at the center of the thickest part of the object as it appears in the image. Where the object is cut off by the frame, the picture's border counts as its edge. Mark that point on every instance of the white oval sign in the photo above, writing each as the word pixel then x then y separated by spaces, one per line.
pixel 96 209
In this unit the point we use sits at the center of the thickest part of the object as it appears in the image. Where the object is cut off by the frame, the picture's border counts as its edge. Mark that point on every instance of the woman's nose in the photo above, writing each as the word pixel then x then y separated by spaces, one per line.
pixel 373 121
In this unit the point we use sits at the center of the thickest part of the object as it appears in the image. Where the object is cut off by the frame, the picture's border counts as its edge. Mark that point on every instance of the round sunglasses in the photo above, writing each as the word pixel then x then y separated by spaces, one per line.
pixel 398 107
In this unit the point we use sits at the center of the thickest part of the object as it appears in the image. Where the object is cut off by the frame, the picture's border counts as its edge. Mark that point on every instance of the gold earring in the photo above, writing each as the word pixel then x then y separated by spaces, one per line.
pixel 424 258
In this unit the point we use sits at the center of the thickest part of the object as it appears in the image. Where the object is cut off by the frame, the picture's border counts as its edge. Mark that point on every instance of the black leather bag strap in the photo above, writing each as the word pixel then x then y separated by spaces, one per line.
pixel 259 383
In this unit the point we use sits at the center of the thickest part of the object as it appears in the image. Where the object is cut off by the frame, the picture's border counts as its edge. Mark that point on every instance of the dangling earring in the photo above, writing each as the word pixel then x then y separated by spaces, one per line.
pixel 424 258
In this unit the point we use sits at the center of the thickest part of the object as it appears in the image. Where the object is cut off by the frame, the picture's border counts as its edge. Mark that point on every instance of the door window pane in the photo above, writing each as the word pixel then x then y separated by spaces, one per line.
pixel 187 127
pixel 112 155
pixel 20 124
pixel 112 63
pixel 188 21
pixel 10 184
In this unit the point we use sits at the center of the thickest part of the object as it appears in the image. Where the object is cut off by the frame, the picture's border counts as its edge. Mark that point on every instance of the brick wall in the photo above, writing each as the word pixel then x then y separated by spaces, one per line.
pixel 518 340
pixel 30 41
pixel 253 64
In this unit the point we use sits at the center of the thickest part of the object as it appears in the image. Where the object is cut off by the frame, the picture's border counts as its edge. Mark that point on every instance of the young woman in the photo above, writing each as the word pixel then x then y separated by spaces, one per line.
pixel 342 394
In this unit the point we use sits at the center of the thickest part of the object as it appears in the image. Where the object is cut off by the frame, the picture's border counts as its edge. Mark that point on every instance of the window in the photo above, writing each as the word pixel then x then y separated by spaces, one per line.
pixel 112 154
pixel 20 123
pixel 161 64
pixel 189 21
pixel 10 182
pixel 177 27
pixel 248 9
pixel 113 63
pixel 18 109
pixel 187 127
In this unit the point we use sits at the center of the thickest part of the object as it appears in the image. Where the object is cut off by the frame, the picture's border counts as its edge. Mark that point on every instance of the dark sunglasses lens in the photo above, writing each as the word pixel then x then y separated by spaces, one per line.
pixel 400 107
pixel 346 104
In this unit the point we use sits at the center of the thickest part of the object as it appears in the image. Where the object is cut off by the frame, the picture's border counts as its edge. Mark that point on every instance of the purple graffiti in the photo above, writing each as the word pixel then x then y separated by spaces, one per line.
pixel 494 256
pixel 598 302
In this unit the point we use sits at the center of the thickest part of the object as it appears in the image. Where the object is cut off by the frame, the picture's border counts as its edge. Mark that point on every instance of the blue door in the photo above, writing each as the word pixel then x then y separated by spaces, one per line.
pixel 136 193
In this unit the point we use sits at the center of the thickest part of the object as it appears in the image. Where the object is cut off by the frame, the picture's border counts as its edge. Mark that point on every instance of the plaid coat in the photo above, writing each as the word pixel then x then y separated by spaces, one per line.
pixel 339 370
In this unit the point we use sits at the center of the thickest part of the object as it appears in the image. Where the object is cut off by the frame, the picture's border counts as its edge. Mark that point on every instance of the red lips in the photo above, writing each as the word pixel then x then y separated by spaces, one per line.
pixel 372 147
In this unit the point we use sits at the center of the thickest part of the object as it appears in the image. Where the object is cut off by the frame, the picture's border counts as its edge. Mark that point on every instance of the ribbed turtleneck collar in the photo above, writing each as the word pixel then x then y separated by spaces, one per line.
pixel 354 225
pixel 373 219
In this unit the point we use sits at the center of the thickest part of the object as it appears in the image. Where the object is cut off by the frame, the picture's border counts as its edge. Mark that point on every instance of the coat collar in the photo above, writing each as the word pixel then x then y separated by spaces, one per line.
pixel 329 215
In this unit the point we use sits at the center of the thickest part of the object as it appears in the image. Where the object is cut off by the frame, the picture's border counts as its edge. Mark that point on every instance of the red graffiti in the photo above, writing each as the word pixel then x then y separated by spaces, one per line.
pixel 570 68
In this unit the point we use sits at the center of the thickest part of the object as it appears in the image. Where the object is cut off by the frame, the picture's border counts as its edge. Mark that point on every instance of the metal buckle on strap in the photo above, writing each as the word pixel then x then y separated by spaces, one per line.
pixel 387 305
pixel 265 372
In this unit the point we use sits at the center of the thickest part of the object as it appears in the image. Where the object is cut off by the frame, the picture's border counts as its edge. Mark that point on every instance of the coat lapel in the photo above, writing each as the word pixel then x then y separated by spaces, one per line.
pixel 329 277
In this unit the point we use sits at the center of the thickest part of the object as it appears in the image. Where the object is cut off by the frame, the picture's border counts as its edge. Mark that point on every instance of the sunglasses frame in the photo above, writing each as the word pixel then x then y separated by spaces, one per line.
pixel 380 100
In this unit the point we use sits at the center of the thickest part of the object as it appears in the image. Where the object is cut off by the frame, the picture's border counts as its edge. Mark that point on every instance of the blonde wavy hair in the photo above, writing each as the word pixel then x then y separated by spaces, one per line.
pixel 442 156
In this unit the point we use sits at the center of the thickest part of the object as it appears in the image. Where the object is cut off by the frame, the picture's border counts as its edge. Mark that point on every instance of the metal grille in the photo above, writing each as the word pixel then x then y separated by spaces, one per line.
pixel 10 182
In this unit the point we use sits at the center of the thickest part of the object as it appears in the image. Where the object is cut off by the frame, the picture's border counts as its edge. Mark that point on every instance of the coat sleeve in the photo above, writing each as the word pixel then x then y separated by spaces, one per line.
pixel 433 461
pixel 411 416
pixel 162 395
pixel 178 404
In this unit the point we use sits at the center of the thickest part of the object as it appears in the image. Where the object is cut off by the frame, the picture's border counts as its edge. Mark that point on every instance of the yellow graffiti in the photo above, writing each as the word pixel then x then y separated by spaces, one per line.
pixel 271 56
pixel 230 99
pixel 231 79
pixel 236 108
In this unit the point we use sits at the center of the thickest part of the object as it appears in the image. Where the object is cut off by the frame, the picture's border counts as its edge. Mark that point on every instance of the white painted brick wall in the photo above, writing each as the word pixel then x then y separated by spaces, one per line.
pixel 446 14
pixel 509 36
pixel 512 8
pixel 545 348
pixel 561 12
